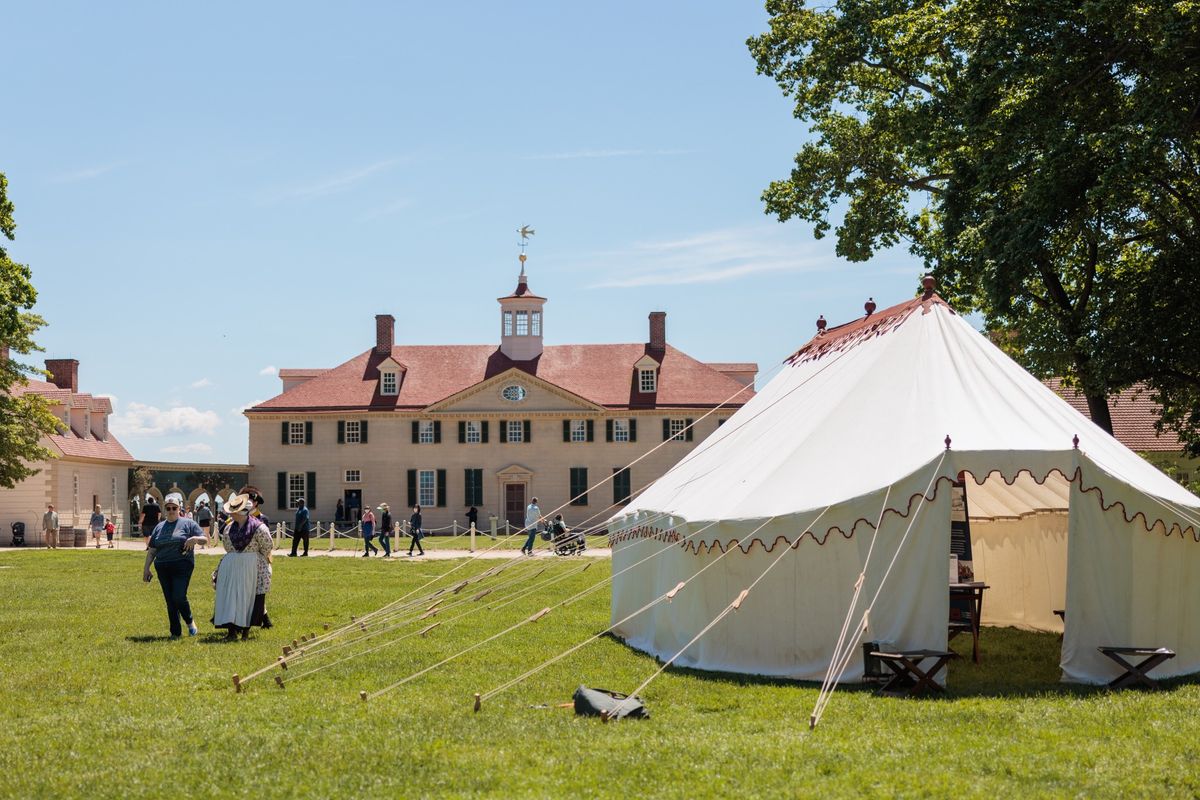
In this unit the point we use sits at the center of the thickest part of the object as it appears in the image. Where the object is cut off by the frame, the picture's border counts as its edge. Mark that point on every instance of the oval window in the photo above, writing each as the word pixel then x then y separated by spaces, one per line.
pixel 514 393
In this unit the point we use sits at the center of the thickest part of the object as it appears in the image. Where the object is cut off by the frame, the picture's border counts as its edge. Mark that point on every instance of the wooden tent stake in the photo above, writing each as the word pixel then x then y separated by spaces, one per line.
pixel 237 684
pixel 430 613
pixel 460 587
pixel 482 594
pixel 478 702
pixel 435 605
pixel 427 630
pixel 604 715
pixel 538 615
pixel 279 681
pixel 326 626
pixel 287 651
pixel 363 695
pixel 283 665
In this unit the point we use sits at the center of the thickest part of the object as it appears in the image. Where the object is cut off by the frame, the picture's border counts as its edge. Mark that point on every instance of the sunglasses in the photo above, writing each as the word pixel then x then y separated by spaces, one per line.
pixel 171 508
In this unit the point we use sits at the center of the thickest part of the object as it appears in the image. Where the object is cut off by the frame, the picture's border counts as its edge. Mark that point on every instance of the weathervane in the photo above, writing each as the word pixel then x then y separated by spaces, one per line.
pixel 525 232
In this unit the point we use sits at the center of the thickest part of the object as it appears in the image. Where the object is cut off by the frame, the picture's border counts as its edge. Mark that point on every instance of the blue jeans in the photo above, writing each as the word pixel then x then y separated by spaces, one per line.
pixel 529 542
pixel 386 541
pixel 174 577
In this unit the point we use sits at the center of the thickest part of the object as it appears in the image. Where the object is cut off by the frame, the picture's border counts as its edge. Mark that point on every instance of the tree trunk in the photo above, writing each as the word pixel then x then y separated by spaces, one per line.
pixel 1098 411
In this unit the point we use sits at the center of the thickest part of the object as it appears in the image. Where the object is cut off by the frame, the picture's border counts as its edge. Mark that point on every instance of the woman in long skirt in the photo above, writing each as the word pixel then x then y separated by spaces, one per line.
pixel 244 574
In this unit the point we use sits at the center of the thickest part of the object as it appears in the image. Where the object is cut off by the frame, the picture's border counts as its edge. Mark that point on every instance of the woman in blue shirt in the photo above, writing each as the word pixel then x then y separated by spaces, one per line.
pixel 170 548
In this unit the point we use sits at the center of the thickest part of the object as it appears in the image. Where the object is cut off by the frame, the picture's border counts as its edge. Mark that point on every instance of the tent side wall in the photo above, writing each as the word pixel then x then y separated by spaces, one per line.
pixel 1024 561
pixel 1127 587
pixel 788 625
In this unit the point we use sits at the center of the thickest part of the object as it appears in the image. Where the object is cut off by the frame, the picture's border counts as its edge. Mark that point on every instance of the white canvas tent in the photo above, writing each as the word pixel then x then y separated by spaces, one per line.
pixel 851 434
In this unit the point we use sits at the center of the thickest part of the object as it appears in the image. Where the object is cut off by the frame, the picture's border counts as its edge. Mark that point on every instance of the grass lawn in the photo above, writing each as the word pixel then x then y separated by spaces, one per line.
pixel 439 542
pixel 98 703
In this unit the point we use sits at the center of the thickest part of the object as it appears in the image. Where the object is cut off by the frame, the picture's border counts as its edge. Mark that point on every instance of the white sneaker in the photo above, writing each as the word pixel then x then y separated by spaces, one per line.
pixel 192 629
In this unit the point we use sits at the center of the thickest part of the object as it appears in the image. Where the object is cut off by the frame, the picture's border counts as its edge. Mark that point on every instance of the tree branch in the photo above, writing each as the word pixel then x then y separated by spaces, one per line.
pixel 908 80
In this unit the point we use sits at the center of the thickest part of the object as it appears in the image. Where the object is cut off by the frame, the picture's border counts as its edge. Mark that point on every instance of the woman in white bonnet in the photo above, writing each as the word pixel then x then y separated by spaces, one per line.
pixel 244 574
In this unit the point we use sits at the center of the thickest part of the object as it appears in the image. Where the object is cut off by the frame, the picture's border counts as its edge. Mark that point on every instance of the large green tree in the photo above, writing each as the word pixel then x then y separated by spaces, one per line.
pixel 1040 156
pixel 24 418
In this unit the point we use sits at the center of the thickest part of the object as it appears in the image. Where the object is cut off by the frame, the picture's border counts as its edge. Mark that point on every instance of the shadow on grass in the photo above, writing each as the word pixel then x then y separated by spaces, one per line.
pixel 148 638
pixel 1013 664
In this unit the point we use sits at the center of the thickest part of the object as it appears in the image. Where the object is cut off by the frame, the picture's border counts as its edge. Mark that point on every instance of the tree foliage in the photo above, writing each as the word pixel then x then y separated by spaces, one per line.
pixel 24 418
pixel 1040 156
pixel 140 479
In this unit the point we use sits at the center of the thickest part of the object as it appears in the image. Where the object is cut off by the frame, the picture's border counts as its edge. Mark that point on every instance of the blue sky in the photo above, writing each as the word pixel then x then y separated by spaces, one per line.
pixel 208 193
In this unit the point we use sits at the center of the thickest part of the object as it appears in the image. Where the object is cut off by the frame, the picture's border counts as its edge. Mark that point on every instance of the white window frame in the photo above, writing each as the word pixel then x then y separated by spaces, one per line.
pixel 508 323
pixel 579 430
pixel 535 323
pixel 87 424
pixel 522 323
pixel 620 430
pixel 647 381
pixel 678 429
pixel 297 485
pixel 352 476
pixel 474 432
pixel 388 385
pixel 425 433
pixel 427 488
pixel 295 433
pixel 353 432
pixel 516 430
pixel 104 428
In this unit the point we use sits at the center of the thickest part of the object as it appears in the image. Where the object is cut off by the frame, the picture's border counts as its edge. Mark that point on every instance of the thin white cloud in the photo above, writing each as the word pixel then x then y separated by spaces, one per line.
pixel 144 420
pixel 269 370
pixel 711 257
pixel 86 174
pixel 202 383
pixel 239 413
pixel 611 153
pixel 335 183
pixel 194 447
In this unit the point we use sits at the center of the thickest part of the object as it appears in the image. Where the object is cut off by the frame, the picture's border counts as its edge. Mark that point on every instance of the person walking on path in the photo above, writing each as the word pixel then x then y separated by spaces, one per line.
pixel 385 529
pixel 533 518
pixel 339 513
pixel 473 518
pixel 300 528
pixel 109 530
pixel 50 527
pixel 96 524
pixel 414 530
pixel 368 532
pixel 244 574
pixel 204 519
pixel 170 549
pixel 150 516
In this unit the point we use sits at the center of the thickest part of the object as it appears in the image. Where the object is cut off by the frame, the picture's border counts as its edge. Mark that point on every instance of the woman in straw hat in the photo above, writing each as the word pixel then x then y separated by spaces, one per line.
pixel 244 575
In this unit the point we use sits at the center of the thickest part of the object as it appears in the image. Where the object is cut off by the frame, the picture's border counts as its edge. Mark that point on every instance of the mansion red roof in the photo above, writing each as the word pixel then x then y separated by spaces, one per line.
pixel 1134 414
pixel 69 443
pixel 601 373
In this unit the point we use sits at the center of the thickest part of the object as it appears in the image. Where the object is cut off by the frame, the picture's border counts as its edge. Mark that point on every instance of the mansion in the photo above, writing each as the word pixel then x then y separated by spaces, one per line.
pixel 491 426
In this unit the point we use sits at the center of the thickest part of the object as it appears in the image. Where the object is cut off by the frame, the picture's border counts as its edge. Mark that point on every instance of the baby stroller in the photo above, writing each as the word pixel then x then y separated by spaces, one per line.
pixel 566 543
pixel 18 534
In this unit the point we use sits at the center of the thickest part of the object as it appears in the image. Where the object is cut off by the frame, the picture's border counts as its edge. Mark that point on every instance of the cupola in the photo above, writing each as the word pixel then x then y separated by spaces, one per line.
pixel 521 321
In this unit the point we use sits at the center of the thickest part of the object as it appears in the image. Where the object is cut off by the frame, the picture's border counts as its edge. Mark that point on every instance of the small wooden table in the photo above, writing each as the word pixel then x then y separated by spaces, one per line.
pixel 1135 674
pixel 972 593
pixel 908 678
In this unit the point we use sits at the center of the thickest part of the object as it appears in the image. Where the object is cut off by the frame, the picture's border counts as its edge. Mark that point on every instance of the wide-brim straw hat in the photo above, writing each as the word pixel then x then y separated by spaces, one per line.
pixel 238 504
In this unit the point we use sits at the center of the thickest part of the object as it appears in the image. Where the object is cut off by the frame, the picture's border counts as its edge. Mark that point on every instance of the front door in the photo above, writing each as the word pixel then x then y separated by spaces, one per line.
pixel 353 502
pixel 514 504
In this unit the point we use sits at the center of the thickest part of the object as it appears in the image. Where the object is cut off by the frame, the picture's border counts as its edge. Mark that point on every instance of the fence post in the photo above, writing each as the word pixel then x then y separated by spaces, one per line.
pixel 507 528
pixel 493 534
pixel 472 537
pixel 454 527
pixel 332 532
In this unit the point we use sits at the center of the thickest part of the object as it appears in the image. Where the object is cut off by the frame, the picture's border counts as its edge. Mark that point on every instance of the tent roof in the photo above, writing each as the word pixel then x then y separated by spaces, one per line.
pixel 867 406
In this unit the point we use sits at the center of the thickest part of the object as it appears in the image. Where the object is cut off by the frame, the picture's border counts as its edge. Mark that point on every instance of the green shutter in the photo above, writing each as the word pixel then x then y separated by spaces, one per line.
pixel 441 488
pixel 579 485
pixel 503 431
pixel 285 432
pixel 483 431
pixel 666 429
pixel 687 434
pixel 632 429
pixel 462 432
pixel 591 430
pixel 308 432
pixel 608 430
pixel 341 431
pixel 437 432
pixel 468 485
pixel 528 432
pixel 412 488
pixel 282 489
pixel 311 498
pixel 416 431
pixel 566 430
pixel 362 431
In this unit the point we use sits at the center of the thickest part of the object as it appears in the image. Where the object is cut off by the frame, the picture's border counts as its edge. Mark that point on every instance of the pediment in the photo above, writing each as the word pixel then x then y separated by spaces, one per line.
pixel 646 362
pixel 390 364
pixel 515 471
pixel 537 395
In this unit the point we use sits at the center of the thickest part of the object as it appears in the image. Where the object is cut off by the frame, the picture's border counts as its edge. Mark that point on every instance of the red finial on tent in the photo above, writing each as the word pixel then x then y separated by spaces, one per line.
pixel 821 323
pixel 869 306
pixel 928 282
pixel 947 441
pixel 1076 441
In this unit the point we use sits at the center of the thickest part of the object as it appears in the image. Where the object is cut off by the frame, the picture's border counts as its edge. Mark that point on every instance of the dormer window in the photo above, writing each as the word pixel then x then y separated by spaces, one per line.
pixel 87 424
pixel 387 383
pixel 647 381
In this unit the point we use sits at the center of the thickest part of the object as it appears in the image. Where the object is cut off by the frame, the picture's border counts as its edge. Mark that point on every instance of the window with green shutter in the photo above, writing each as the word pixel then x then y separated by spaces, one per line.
pixel 579 486
pixel 620 485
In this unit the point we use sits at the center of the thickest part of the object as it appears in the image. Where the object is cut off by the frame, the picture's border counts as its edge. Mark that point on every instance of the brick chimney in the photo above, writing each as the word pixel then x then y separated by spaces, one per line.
pixel 64 373
pixel 658 330
pixel 385 334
